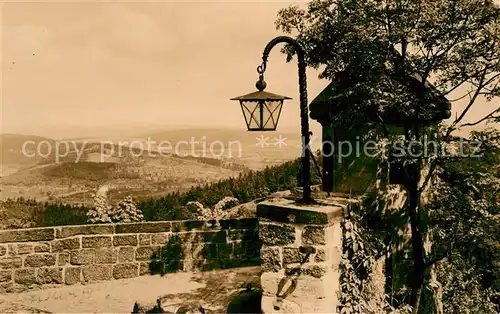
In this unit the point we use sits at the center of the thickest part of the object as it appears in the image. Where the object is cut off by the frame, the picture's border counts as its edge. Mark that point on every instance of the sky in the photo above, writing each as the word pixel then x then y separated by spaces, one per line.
pixel 84 68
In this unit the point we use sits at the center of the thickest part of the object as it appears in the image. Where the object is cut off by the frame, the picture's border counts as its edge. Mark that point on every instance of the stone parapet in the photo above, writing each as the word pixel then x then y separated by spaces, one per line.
pixel 300 255
pixel 70 255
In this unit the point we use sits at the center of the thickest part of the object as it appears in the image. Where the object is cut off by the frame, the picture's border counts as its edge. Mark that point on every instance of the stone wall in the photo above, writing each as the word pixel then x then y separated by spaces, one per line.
pixel 69 255
pixel 300 256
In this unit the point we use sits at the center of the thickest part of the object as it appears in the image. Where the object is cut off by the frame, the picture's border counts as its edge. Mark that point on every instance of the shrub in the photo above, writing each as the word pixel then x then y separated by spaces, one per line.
pixel 101 211
pixel 126 211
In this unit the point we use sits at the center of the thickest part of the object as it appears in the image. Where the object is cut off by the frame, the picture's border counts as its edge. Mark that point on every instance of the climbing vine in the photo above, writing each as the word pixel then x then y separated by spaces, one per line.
pixel 360 252
pixel 355 266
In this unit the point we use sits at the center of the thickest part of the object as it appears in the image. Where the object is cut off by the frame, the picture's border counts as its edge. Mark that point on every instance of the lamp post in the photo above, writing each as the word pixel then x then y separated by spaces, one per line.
pixel 269 108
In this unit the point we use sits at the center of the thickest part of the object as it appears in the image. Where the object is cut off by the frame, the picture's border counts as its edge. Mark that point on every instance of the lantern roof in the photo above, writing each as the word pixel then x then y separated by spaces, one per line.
pixel 261 95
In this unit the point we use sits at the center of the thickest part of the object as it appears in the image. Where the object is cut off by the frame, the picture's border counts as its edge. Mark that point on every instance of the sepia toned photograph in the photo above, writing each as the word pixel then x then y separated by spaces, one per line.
pixel 312 156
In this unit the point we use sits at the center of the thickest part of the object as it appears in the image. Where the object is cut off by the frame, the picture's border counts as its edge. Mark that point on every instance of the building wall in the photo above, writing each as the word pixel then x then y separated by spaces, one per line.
pixel 70 255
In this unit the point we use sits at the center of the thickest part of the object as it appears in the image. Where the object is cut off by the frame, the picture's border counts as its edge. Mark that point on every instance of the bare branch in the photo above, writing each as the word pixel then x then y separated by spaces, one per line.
pixel 456 86
pixel 384 126
pixel 462 97
pixel 472 100
pixel 487 117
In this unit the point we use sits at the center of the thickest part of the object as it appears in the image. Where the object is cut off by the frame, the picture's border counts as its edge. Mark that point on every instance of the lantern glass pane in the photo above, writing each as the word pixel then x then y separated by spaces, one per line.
pixel 271 113
pixel 251 113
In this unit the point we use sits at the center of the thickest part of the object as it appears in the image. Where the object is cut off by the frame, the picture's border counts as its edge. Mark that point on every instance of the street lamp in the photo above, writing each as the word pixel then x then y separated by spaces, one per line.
pixel 262 109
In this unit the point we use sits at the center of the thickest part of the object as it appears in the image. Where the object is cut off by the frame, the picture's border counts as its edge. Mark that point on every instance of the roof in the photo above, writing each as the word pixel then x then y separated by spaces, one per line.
pixel 261 95
pixel 332 100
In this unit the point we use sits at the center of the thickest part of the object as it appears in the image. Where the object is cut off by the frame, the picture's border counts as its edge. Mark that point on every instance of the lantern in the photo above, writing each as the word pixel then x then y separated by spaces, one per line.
pixel 261 109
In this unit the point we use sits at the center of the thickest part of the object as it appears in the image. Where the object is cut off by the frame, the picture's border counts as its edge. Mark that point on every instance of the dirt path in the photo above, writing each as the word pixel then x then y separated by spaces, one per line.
pixel 214 290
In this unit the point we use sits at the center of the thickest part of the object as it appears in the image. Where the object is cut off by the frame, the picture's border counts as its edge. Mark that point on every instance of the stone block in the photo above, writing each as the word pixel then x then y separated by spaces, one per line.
pixel 97 272
pixel 21 249
pixel 145 239
pixel 288 211
pixel 159 238
pixel 239 223
pixel 5 276
pixel 26 276
pixel 70 231
pixel 7 287
pixel 65 244
pixel 321 255
pixel 42 247
pixel 189 225
pixel 276 234
pixel 191 237
pixel 128 270
pixel 144 268
pixel 144 227
pixel 96 241
pixel 106 256
pixel 48 275
pixel 82 257
pixel 62 258
pixel 27 235
pixel 40 260
pixel 145 253
pixel 315 270
pixel 72 275
pixel 314 235
pixel 215 236
pixel 125 240
pixel 270 259
pixel 126 254
pixel 313 295
pixel 11 262
pixel 292 255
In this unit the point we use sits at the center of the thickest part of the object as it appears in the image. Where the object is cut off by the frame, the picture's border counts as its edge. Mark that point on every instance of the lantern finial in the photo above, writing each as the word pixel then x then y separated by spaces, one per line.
pixel 261 84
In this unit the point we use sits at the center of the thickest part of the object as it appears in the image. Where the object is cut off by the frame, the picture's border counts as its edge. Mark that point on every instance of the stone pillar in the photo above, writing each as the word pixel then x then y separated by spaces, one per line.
pixel 300 256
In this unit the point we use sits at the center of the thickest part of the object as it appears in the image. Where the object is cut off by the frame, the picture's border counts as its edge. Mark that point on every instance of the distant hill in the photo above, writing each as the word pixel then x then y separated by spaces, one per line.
pixel 11 148
pixel 240 145
pixel 132 170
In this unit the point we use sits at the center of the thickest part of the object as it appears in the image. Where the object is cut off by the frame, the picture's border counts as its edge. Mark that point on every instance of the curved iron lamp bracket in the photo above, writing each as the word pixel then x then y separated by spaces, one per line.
pixel 304 111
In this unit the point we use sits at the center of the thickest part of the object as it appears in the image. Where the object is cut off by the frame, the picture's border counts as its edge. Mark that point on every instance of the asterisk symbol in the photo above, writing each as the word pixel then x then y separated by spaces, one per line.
pixel 280 141
pixel 291 218
pixel 262 141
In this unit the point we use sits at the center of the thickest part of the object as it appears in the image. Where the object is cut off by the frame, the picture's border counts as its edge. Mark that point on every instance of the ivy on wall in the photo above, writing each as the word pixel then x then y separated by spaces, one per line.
pixel 360 251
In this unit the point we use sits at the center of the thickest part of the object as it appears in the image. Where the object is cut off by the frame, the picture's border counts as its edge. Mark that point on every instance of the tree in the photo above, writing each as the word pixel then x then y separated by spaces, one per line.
pixel 102 209
pixel 453 43
pixel 465 207
pixel 126 211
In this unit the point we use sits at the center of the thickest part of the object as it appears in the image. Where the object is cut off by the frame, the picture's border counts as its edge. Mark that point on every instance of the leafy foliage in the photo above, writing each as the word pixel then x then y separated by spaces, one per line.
pixel 383 56
pixel 101 213
pixel 247 187
pixel 361 248
pixel 465 212
pixel 212 213
pixel 29 213
pixel 125 211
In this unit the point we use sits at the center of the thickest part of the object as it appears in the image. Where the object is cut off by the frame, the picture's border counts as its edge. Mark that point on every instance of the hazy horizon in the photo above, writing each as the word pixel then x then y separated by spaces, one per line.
pixel 75 69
